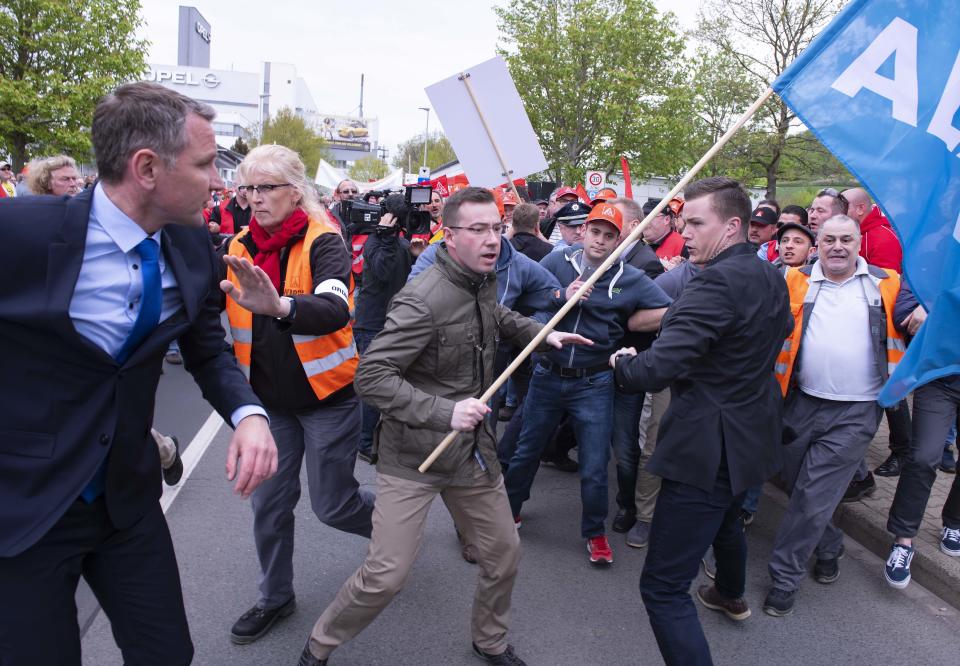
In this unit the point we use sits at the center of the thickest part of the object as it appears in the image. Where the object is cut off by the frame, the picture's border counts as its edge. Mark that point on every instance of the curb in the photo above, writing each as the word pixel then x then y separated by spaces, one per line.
pixel 937 572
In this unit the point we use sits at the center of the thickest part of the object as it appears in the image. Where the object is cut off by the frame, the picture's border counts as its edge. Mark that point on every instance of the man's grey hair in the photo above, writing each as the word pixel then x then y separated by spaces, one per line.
pixel 839 218
pixel 631 208
pixel 139 116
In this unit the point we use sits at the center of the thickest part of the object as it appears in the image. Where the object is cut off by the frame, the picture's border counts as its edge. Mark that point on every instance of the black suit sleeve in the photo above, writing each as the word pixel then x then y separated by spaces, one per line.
pixel 700 317
pixel 208 357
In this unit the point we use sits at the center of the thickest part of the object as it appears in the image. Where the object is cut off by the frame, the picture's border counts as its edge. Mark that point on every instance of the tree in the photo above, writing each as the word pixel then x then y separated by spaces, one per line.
pixel 410 153
pixel 286 128
pixel 368 168
pixel 58 59
pixel 598 78
pixel 240 146
pixel 764 37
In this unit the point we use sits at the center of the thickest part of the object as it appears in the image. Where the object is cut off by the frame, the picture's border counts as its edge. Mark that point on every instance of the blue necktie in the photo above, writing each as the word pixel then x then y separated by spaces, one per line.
pixel 151 301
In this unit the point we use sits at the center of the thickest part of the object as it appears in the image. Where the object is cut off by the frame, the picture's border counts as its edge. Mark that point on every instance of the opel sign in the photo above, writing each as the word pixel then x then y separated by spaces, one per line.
pixel 180 78
pixel 203 31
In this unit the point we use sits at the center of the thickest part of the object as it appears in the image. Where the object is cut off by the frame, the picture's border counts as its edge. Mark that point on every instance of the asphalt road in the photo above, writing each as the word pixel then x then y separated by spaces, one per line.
pixel 564 611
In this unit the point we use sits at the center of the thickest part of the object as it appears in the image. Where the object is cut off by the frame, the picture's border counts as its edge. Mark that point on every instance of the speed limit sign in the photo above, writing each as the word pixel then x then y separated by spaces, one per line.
pixel 595 179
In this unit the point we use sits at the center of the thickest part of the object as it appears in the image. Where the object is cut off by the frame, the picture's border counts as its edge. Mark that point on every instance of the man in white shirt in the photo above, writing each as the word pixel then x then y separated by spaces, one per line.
pixel 831 369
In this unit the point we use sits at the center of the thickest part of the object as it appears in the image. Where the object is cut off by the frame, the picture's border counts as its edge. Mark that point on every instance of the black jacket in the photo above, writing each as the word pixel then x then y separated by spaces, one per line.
pixel 386 265
pixel 67 404
pixel 276 372
pixel 530 245
pixel 716 351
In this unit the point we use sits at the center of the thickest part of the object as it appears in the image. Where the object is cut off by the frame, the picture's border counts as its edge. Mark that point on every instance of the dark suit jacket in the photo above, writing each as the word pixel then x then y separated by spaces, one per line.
pixel 716 351
pixel 66 404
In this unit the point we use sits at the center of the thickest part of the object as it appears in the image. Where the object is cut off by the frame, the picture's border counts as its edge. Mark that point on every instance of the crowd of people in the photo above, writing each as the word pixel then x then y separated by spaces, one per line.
pixel 729 345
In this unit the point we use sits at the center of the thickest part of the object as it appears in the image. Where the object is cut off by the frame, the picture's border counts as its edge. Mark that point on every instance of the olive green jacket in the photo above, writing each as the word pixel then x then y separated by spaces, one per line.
pixel 437 348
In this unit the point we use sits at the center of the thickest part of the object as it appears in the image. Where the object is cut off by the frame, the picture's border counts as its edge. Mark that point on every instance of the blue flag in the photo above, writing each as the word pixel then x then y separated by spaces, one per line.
pixel 880 88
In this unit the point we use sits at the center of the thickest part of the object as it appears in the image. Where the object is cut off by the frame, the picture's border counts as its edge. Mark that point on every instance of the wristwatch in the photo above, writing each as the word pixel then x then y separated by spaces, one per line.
pixel 293 310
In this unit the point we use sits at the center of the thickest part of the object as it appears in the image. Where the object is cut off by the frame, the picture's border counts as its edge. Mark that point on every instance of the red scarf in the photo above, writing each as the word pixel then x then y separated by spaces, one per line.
pixel 269 245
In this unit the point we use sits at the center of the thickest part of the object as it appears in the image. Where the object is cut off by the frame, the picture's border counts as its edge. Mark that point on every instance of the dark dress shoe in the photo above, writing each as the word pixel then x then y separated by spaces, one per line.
pixel 857 490
pixel 257 621
pixel 506 658
pixel 307 658
pixel 506 413
pixel 889 467
pixel 173 474
pixel 624 520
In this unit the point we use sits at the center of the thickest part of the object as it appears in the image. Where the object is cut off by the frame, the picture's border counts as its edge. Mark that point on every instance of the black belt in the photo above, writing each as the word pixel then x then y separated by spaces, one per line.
pixel 574 373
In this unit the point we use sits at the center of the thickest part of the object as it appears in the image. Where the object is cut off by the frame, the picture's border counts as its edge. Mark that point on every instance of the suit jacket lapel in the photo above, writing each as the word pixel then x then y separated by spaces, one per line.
pixel 64 260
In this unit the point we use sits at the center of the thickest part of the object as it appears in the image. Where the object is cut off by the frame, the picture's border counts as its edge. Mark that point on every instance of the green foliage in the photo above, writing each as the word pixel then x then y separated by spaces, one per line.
pixel 286 128
pixel 410 153
pixel 58 59
pixel 806 159
pixel 368 168
pixel 240 146
pixel 599 78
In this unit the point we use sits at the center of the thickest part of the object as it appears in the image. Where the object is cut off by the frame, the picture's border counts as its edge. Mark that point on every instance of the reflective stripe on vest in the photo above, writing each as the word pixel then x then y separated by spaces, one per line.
pixel 803 292
pixel 329 361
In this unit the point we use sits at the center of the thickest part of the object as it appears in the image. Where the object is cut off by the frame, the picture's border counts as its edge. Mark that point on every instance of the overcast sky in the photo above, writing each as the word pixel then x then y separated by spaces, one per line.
pixel 401 47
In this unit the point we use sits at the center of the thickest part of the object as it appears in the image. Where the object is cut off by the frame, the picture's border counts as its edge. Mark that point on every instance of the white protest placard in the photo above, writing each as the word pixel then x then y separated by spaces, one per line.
pixel 484 119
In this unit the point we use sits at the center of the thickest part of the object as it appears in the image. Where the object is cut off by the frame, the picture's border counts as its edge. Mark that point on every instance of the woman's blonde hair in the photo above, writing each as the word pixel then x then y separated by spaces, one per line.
pixel 287 167
pixel 41 171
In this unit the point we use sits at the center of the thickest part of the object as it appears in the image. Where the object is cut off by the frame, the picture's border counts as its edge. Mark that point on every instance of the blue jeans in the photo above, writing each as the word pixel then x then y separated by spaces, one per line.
pixel 368 415
pixel 686 522
pixel 589 402
pixel 626 446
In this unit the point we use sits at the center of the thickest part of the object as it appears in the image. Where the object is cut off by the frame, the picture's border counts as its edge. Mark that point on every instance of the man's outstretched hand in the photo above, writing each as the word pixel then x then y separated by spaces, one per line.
pixel 558 339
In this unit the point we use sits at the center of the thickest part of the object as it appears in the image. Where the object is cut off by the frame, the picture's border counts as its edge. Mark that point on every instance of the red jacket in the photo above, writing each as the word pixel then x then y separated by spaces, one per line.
pixel 880 245
pixel 670 246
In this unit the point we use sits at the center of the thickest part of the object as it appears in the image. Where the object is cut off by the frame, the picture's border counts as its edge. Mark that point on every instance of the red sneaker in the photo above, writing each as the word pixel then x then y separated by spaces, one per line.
pixel 599 549
pixel 517 522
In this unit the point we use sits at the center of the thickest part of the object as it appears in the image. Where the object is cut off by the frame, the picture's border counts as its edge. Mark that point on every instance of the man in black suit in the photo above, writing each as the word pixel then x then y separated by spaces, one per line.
pixel 92 290
pixel 721 434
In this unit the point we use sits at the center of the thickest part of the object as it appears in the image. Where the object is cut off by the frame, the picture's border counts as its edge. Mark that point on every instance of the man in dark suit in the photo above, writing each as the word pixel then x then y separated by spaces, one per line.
pixel 92 290
pixel 721 434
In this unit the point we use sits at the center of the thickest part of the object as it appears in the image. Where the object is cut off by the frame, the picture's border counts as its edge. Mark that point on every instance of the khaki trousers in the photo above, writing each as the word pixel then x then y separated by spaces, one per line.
pixel 648 485
pixel 480 511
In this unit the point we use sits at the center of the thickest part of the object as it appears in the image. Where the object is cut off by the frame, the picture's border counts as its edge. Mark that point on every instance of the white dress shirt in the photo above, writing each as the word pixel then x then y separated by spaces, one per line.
pixel 106 298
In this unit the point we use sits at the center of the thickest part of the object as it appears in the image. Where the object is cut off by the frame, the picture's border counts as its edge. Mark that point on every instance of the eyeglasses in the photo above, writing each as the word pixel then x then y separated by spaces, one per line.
pixel 348 191
pixel 481 229
pixel 6 168
pixel 261 189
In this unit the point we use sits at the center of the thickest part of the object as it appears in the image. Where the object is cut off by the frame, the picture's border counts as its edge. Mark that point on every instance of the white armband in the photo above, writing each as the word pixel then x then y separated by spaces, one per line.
pixel 335 287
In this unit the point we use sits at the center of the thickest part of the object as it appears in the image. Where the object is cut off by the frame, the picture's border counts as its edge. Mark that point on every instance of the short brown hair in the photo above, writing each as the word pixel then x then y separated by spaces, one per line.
pixel 451 209
pixel 526 217
pixel 137 116
pixel 729 198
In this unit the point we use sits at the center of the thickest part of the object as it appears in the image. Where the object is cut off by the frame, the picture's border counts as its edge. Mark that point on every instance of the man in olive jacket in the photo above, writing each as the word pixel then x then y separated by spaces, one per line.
pixel 424 373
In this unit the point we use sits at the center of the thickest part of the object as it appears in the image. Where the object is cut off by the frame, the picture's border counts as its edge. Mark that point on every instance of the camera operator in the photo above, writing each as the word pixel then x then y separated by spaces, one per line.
pixel 387 259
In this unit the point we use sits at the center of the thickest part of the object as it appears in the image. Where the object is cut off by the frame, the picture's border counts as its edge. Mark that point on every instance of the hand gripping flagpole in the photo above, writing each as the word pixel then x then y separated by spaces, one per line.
pixel 634 235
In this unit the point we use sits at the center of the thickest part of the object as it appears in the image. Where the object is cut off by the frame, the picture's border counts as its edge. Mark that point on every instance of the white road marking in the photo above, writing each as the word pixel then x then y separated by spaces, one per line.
pixel 191 456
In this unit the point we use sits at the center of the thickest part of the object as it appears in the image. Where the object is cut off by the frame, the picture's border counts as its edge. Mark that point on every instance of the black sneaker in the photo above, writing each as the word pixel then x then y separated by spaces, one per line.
pixel 563 463
pixel 506 658
pixel 624 521
pixel 827 571
pixel 173 474
pixel 857 490
pixel 889 467
pixel 307 658
pixel 746 517
pixel 257 621
pixel 779 602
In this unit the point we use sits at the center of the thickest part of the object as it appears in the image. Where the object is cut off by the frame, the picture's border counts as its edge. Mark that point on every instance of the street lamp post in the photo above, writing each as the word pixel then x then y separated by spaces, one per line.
pixel 426 134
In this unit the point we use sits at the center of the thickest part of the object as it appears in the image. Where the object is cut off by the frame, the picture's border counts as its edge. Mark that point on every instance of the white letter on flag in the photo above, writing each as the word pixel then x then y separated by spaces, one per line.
pixel 942 124
pixel 900 40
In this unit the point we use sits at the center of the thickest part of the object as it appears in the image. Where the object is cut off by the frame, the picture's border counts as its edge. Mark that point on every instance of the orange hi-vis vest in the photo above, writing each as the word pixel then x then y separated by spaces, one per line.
pixel 329 361
pixel 881 286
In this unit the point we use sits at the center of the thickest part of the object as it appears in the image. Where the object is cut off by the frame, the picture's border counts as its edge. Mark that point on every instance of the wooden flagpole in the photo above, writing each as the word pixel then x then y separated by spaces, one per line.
pixel 597 274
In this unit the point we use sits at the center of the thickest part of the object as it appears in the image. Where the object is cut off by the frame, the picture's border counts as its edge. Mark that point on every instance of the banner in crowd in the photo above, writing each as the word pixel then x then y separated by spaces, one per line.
pixel 880 88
